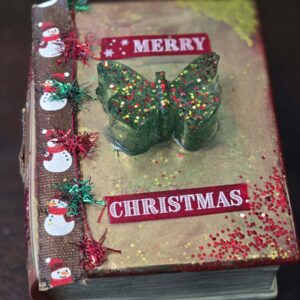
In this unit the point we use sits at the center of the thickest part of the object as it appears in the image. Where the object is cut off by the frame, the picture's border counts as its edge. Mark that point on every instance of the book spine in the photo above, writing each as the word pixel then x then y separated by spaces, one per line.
pixel 58 234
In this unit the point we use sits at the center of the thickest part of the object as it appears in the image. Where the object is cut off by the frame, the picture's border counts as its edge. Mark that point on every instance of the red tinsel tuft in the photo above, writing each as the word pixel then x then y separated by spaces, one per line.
pixel 80 144
pixel 93 252
pixel 75 50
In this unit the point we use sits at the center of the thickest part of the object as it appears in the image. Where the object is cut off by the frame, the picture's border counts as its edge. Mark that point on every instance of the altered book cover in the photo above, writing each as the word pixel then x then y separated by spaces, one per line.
pixel 153 141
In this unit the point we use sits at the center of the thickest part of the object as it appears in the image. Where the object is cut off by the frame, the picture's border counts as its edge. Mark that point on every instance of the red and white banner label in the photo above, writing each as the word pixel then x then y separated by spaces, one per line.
pixel 177 203
pixel 154 45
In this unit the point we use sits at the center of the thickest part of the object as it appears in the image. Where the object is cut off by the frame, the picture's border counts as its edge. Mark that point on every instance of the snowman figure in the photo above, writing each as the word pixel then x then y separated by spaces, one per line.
pixel 46 101
pixel 51 44
pixel 55 223
pixel 60 274
pixel 57 158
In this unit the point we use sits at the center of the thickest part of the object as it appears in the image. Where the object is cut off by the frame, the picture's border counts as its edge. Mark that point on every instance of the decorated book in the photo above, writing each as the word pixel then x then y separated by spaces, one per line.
pixel 151 159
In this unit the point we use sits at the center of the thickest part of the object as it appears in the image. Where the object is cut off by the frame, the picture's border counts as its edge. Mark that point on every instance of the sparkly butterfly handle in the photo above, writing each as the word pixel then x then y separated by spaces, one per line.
pixel 143 113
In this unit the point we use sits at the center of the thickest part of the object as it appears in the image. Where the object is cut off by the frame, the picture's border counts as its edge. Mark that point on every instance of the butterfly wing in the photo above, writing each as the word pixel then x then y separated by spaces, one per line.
pixel 195 91
pixel 129 100
pixel 196 97
pixel 202 71
pixel 116 78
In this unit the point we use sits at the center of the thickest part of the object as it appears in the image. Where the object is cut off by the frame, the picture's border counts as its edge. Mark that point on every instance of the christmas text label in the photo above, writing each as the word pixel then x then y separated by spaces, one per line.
pixel 154 45
pixel 177 203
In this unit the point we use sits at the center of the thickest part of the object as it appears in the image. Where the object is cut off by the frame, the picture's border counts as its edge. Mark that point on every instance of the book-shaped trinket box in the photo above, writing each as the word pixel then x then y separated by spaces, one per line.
pixel 150 158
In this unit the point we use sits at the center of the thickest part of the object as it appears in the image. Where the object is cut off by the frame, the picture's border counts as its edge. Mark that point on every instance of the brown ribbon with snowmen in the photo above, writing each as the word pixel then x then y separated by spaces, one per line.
pixel 58 254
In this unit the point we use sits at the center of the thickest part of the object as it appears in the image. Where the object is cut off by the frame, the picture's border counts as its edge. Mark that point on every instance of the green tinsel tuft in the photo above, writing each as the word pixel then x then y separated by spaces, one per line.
pixel 79 5
pixel 72 91
pixel 78 192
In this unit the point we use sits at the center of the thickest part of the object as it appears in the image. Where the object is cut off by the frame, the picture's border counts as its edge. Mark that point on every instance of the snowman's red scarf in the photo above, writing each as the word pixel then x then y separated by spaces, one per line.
pixel 51 38
pixel 62 281
pixel 53 150
pixel 57 149
pixel 57 210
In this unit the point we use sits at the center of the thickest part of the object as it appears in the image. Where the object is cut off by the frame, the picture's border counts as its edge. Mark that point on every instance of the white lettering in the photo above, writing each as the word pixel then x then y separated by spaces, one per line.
pixel 185 44
pixel 187 200
pixel 206 202
pixel 199 42
pixel 157 45
pixel 162 202
pixel 141 47
pixel 171 45
pixel 131 208
pixel 236 195
pixel 149 205
pixel 113 209
pixel 222 200
pixel 174 203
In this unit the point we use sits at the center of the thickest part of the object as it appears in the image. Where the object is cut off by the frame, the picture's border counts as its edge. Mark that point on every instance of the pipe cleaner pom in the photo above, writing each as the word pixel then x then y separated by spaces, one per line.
pixel 79 5
pixel 72 91
pixel 94 254
pixel 75 50
pixel 79 144
pixel 78 192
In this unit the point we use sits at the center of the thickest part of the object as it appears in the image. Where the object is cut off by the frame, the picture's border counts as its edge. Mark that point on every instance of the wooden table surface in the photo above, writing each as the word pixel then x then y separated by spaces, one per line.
pixel 280 27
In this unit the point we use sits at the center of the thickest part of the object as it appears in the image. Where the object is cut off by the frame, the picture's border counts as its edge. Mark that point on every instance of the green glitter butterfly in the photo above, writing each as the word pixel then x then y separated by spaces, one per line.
pixel 144 113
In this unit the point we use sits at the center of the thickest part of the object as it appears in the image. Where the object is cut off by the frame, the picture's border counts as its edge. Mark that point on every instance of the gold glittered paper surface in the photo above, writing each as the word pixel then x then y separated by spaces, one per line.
pixel 245 149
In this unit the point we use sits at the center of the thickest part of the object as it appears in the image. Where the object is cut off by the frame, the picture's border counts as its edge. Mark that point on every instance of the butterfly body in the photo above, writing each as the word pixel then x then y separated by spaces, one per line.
pixel 143 113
